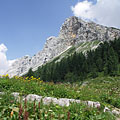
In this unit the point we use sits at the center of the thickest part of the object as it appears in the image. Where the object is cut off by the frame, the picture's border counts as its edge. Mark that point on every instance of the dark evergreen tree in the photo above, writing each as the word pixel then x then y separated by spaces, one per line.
pixel 112 62
pixel 30 73
pixel 78 66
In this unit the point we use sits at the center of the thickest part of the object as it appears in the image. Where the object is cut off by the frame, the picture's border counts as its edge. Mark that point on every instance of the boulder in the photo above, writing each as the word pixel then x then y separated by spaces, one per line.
pixel 93 104
pixel 106 109
pixel 33 97
pixel 63 102
pixel 116 111
pixel 48 100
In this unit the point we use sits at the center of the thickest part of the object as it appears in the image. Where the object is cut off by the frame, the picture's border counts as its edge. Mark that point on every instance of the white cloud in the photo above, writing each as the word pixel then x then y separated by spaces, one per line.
pixel 82 9
pixel 106 12
pixel 4 63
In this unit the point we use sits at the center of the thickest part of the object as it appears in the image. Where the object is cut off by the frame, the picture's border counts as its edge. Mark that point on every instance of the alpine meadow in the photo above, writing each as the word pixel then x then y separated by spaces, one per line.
pixel 75 76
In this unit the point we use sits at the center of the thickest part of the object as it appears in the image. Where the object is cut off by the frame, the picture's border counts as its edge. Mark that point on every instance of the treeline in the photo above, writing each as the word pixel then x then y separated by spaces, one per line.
pixel 103 60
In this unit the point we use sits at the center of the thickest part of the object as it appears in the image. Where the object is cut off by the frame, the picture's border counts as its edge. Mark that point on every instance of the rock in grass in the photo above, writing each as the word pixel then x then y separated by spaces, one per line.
pixel 106 109
pixel 77 101
pixel 2 93
pixel 63 102
pixel 15 94
pixel 33 97
pixel 48 100
pixel 72 100
pixel 116 112
pixel 93 104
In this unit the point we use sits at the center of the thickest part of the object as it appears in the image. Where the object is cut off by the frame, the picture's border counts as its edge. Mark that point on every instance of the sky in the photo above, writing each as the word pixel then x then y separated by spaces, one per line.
pixel 26 24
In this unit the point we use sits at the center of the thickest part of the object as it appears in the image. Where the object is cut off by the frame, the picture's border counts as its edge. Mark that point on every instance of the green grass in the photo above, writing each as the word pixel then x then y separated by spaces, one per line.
pixel 81 47
pixel 103 89
pixel 106 90
pixel 86 46
pixel 10 109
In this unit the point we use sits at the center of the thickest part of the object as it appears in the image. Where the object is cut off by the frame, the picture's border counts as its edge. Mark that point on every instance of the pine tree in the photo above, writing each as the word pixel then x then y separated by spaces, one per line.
pixel 112 62
pixel 30 73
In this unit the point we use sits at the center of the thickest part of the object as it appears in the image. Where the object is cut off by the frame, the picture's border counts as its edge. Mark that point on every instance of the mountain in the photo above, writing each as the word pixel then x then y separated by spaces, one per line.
pixel 75 35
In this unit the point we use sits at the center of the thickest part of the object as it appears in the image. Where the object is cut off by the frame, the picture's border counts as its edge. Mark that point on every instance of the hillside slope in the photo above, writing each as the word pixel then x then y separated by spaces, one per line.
pixel 80 62
pixel 73 32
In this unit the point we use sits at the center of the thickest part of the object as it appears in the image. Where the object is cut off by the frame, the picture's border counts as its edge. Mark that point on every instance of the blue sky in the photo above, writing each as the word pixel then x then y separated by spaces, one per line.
pixel 26 24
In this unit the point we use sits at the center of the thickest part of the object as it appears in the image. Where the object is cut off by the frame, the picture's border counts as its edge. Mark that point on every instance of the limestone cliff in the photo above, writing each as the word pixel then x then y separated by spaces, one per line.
pixel 72 32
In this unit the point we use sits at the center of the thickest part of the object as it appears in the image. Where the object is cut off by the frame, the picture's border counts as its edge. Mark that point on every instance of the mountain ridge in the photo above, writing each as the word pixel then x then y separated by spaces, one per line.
pixel 73 32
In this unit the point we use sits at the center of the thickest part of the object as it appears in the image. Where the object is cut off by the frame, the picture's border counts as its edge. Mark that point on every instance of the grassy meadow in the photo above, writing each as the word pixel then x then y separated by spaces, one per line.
pixel 106 90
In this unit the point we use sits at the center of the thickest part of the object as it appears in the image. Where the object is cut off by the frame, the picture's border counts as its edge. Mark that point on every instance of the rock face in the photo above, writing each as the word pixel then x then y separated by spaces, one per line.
pixel 53 47
pixel 76 30
pixel 73 31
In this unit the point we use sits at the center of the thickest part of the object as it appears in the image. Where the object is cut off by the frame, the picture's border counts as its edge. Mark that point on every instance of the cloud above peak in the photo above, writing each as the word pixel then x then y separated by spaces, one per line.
pixel 105 12
pixel 3 48
pixel 4 63
pixel 82 9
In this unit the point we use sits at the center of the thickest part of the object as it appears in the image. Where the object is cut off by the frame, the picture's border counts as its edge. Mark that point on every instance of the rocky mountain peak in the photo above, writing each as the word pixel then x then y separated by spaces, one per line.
pixel 70 28
pixel 75 28
pixel 72 32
